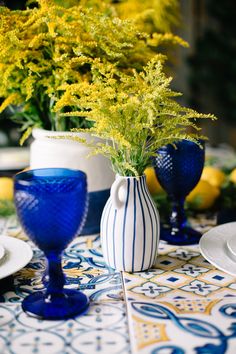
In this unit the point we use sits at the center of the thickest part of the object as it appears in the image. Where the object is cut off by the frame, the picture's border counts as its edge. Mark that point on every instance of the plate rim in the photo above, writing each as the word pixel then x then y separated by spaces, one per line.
pixel 209 234
pixel 23 263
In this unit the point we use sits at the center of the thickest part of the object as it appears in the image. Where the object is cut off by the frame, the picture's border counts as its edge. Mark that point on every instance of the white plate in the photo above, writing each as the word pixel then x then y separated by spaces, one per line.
pixel 218 246
pixel 2 252
pixel 18 254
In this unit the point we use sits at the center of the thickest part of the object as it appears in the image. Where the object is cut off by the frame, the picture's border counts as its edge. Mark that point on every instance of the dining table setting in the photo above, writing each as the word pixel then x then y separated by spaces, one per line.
pixel 117 190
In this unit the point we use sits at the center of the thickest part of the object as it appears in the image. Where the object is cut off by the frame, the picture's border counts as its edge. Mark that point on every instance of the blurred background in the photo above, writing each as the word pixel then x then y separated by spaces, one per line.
pixel 205 72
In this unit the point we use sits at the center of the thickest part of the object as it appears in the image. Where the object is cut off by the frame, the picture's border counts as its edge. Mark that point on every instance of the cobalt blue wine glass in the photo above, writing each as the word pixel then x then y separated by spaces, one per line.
pixel 178 168
pixel 51 205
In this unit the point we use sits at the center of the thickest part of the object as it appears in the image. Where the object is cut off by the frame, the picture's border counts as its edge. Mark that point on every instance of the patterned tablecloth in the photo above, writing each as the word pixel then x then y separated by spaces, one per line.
pixel 183 305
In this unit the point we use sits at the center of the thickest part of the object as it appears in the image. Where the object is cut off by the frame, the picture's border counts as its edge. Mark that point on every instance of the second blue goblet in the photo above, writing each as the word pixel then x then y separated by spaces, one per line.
pixel 178 168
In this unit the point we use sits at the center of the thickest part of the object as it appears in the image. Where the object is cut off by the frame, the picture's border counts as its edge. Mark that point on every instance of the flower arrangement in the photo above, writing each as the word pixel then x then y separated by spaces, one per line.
pixel 134 113
pixel 43 47
pixel 48 45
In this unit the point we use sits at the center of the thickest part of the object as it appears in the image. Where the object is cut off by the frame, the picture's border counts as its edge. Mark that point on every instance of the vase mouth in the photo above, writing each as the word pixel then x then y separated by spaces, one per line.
pixel 40 133
pixel 131 177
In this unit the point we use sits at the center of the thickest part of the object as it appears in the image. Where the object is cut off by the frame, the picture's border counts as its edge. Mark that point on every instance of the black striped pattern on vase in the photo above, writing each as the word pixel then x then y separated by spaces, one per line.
pixel 130 233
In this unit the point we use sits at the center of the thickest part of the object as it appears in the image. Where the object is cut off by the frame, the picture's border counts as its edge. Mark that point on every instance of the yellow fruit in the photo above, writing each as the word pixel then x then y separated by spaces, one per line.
pixel 152 182
pixel 203 196
pixel 232 176
pixel 213 175
pixel 6 188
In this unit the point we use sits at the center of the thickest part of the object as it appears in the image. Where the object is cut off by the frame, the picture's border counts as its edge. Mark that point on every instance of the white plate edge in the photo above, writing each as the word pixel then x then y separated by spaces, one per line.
pixel 205 255
pixel 23 264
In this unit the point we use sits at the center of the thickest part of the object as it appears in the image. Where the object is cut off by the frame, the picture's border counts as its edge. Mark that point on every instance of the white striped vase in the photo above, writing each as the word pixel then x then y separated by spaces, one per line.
pixel 130 226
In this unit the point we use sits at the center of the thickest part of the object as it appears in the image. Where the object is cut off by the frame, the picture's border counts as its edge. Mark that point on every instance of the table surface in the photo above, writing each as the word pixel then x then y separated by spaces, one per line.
pixel 182 305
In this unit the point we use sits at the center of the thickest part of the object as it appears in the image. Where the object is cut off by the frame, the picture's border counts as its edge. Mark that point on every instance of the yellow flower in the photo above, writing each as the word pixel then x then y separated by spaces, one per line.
pixel 135 113
pixel 9 100
pixel 45 49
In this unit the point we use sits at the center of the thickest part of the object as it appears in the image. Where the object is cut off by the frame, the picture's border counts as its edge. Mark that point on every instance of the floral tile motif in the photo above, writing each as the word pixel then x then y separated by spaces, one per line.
pixel 150 289
pixel 191 270
pixel 103 329
pixel 192 291
pixel 200 288
pixel 183 326
pixel 185 273
pixel 183 254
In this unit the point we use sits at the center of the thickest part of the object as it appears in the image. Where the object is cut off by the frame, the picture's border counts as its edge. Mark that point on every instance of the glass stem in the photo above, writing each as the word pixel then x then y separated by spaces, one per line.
pixel 178 218
pixel 56 276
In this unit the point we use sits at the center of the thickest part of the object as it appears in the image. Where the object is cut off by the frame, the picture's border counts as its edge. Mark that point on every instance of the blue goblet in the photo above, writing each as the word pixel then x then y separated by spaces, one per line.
pixel 178 168
pixel 51 205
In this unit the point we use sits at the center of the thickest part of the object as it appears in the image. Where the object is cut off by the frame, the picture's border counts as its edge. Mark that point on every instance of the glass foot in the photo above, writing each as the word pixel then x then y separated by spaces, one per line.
pixel 71 304
pixel 184 237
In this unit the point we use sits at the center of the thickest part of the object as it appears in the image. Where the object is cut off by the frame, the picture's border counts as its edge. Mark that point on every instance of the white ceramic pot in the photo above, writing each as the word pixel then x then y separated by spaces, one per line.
pixel 130 226
pixel 45 151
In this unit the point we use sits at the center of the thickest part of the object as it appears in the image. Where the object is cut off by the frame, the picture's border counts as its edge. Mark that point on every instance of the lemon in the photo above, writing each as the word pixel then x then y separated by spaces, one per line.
pixel 6 188
pixel 232 176
pixel 213 175
pixel 152 182
pixel 203 196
